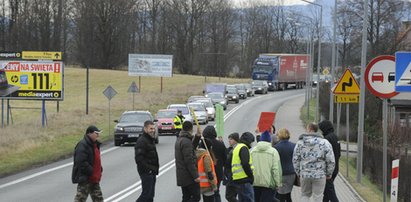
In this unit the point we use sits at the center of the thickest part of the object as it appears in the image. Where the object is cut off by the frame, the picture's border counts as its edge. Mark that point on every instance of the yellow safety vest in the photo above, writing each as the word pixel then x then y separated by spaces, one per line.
pixel 236 167
pixel 178 120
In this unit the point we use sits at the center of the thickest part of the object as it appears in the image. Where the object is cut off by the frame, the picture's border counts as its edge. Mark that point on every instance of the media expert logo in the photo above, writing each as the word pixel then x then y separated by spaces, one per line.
pixel 10 55
pixel 32 67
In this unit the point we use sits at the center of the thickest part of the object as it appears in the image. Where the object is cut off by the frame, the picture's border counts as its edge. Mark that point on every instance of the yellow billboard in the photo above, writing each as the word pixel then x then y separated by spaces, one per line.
pixel 37 80
pixel 41 55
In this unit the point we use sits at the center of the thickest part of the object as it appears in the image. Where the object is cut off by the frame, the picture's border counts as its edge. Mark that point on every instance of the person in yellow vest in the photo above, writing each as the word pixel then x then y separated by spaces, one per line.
pixel 242 168
pixel 206 171
pixel 178 122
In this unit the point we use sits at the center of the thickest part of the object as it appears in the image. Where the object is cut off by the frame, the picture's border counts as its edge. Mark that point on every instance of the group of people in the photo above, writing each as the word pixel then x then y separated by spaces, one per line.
pixel 264 172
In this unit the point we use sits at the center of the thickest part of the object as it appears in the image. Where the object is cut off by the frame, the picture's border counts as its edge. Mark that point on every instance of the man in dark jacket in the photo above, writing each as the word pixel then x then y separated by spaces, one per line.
pixel 186 163
pixel 231 188
pixel 147 161
pixel 220 153
pixel 328 132
pixel 87 168
pixel 241 167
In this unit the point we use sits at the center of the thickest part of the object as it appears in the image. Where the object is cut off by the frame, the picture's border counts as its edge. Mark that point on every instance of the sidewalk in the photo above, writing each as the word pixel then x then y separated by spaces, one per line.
pixel 288 116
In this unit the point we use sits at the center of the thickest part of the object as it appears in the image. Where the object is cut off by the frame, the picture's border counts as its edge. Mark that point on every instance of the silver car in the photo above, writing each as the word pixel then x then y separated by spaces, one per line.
pixel 199 111
pixel 184 109
pixel 218 98
pixel 208 103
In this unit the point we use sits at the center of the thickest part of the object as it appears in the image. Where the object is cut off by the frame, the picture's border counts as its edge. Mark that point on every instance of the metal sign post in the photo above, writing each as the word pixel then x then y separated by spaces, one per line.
pixel 109 92
pixel 347 133
pixel 384 143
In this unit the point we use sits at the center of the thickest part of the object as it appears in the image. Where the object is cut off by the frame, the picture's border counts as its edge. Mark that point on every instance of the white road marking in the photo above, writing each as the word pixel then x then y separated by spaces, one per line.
pixel 47 171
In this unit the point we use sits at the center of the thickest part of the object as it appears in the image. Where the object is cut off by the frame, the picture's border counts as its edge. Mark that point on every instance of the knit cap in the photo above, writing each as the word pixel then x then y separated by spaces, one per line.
pixel 265 136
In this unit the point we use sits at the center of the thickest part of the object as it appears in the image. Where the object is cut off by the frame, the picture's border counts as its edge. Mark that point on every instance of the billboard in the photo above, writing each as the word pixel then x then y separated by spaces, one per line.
pixel 150 65
pixel 37 80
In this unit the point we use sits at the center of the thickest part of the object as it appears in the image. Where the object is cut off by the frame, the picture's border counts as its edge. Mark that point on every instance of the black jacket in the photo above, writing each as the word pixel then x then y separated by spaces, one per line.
pixel 186 160
pixel 146 156
pixel 328 133
pixel 219 151
pixel 83 160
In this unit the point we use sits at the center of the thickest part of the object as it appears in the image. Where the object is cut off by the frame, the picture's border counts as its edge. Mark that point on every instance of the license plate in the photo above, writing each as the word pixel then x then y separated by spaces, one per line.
pixel 133 135
pixel 166 128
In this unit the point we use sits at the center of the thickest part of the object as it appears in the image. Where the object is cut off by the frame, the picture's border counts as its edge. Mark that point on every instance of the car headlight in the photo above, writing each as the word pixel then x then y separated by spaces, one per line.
pixel 222 102
pixel 234 97
pixel 119 129
pixel 259 88
pixel 226 96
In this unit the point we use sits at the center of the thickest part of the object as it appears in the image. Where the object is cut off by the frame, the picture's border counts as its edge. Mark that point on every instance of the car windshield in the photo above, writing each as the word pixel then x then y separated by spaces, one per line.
pixel 240 87
pixel 183 109
pixel 232 91
pixel 258 83
pixel 206 103
pixel 197 107
pixel 134 118
pixel 166 114
pixel 248 85
pixel 215 95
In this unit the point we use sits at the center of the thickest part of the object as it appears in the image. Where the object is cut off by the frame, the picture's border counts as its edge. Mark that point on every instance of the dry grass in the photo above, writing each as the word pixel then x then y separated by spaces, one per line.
pixel 25 142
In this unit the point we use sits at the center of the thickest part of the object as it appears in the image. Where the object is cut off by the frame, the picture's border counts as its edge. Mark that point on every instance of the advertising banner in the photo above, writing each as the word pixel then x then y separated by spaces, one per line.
pixel 37 80
pixel 150 65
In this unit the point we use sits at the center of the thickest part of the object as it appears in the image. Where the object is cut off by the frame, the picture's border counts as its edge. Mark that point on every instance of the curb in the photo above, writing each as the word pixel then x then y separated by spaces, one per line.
pixel 351 188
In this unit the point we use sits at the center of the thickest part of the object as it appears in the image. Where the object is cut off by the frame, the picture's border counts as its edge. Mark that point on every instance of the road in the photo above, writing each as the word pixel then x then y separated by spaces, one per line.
pixel 120 181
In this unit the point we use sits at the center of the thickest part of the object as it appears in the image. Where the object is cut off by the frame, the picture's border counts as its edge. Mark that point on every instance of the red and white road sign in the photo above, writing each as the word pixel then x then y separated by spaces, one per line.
pixel 380 76
pixel 394 179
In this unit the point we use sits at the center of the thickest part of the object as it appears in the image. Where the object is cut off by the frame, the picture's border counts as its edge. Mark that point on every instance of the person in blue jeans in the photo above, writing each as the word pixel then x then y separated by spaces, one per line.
pixel 242 168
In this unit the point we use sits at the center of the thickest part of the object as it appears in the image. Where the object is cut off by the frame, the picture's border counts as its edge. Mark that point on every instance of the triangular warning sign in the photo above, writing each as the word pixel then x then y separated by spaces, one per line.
pixel 347 84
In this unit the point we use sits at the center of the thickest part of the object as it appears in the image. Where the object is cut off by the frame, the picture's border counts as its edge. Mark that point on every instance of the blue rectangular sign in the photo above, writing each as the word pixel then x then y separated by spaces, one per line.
pixel 403 71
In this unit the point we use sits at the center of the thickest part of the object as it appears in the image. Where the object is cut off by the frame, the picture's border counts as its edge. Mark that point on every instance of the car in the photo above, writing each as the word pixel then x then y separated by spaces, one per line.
pixel 232 95
pixel 184 109
pixel 241 91
pixel 208 103
pixel 130 127
pixel 165 121
pixel 377 76
pixel 260 86
pixel 200 112
pixel 249 89
pixel 218 98
pixel 194 98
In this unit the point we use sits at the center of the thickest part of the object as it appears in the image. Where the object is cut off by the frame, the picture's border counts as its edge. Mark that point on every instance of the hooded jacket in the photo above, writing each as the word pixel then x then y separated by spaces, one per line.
pixel 219 151
pixel 328 132
pixel 186 160
pixel 83 160
pixel 267 166
pixel 313 156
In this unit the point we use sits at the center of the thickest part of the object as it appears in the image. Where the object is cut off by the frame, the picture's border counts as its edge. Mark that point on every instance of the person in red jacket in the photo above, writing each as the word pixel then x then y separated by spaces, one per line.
pixel 87 168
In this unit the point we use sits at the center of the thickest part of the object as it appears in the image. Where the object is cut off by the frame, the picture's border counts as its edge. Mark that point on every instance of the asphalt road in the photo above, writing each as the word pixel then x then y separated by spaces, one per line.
pixel 120 181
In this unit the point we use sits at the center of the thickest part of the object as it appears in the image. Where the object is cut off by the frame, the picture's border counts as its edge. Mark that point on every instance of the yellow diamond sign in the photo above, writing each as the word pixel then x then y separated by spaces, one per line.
pixel 347 84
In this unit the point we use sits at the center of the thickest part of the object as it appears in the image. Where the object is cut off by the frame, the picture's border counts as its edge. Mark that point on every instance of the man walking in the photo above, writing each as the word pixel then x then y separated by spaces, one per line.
pixel 328 131
pixel 242 168
pixel 87 168
pixel 146 158
pixel 313 161
pixel 231 188
pixel 186 163
pixel 178 122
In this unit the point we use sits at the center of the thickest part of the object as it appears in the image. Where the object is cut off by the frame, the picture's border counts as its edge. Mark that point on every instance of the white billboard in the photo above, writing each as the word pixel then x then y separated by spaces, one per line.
pixel 150 65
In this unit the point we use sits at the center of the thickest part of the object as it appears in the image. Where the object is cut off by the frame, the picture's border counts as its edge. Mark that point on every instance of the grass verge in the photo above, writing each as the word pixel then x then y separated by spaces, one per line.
pixel 303 113
pixel 25 144
pixel 367 190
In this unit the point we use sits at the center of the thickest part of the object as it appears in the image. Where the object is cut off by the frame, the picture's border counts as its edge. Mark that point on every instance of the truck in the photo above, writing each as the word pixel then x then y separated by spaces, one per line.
pixel 215 87
pixel 281 71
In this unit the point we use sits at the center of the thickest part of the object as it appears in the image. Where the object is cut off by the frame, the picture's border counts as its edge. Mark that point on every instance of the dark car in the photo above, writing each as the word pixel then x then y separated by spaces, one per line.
pixel 241 90
pixel 249 89
pixel 232 95
pixel 130 127
pixel 260 86
pixel 218 98
pixel 165 121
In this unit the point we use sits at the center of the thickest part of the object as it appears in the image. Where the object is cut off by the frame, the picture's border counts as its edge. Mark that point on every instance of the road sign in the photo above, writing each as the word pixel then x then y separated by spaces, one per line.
pixel 109 92
pixel 347 84
pixel 326 71
pixel 403 71
pixel 346 98
pixel 133 88
pixel 41 55
pixel 380 76
pixel 36 79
